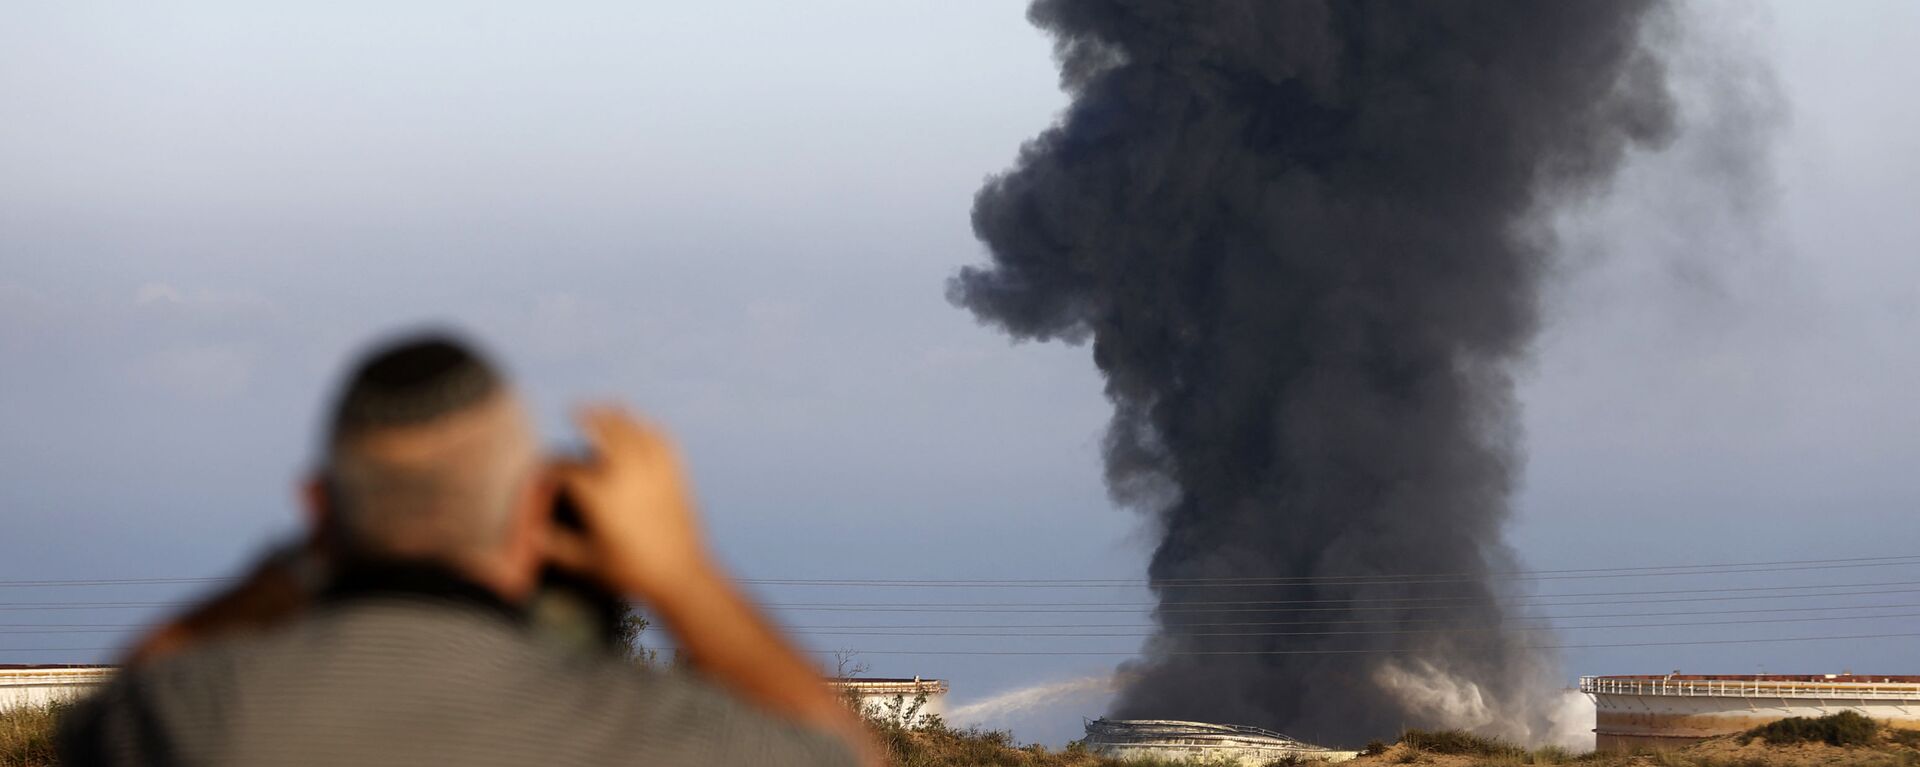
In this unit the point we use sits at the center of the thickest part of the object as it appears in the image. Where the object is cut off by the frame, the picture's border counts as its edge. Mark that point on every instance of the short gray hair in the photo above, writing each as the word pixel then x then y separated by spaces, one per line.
pixel 426 452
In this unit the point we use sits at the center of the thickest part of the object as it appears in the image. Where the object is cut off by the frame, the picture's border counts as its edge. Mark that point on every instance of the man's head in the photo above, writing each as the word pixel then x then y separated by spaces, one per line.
pixel 430 458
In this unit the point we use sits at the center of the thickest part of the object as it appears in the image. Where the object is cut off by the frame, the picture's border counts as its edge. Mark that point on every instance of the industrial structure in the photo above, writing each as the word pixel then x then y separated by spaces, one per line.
pixel 39 685
pixel 906 701
pixel 1672 710
pixel 1169 739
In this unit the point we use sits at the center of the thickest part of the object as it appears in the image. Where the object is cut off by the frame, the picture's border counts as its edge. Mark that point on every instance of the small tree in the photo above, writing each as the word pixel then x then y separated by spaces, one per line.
pixel 907 712
pixel 847 664
pixel 632 626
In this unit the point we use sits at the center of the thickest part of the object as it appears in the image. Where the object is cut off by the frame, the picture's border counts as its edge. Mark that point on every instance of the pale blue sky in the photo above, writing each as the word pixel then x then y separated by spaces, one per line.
pixel 739 218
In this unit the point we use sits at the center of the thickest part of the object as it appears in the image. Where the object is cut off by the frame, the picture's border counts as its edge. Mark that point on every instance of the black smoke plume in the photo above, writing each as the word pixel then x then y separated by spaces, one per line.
pixel 1306 241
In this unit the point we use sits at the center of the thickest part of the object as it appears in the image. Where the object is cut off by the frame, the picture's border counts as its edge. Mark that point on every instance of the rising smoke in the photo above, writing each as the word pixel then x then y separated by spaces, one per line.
pixel 1306 241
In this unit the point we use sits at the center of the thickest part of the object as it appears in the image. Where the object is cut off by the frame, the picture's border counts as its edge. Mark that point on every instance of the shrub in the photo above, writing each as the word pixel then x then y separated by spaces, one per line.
pixel 26 735
pixel 1846 728
pixel 1460 743
pixel 1374 748
pixel 1665 758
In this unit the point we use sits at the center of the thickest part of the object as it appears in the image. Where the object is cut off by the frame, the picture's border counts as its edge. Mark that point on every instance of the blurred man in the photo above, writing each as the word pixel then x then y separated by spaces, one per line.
pixel 433 517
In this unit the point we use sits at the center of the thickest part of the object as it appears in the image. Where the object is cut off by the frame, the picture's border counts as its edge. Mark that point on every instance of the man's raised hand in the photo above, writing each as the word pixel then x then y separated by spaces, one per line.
pixel 642 534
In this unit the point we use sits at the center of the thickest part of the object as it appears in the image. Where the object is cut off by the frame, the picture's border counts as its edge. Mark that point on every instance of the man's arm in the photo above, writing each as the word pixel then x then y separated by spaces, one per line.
pixel 643 539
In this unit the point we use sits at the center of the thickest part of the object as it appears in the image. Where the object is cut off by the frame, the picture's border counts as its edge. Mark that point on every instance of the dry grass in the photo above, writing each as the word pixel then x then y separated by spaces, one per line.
pixel 936 745
pixel 1846 728
pixel 1834 741
pixel 26 740
pixel 1460 743
pixel 26 736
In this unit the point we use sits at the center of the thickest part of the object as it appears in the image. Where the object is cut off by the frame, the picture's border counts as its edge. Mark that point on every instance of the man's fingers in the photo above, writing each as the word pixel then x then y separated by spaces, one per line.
pixel 607 426
pixel 612 428
pixel 589 421
pixel 574 475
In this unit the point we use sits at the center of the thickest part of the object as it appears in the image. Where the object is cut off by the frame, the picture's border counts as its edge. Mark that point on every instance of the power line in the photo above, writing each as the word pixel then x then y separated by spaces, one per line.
pixel 84 605
pixel 63 631
pixel 84 625
pixel 112 582
pixel 1316 610
pixel 1060 635
pixel 1380 651
pixel 1397 621
pixel 1475 600
pixel 1230 606
pixel 1314 651
pixel 1345 605
pixel 1319 581
pixel 1357 632
pixel 1207 624
pixel 1397 651
pixel 1722 568
pixel 1393 621
pixel 1471 600
pixel 1362 608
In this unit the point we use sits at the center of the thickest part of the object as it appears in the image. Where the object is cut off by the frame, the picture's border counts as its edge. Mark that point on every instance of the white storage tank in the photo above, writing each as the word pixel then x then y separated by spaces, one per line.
pixel 907 701
pixel 39 685
pixel 1672 710
pixel 1200 742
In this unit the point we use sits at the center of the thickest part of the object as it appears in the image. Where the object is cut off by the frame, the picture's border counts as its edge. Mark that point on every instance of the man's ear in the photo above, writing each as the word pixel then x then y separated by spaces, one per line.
pixel 524 550
pixel 533 513
pixel 317 504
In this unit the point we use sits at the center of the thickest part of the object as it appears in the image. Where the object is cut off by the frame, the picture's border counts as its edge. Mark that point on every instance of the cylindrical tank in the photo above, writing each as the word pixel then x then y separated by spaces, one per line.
pixel 39 685
pixel 907 701
pixel 1672 710
pixel 1161 740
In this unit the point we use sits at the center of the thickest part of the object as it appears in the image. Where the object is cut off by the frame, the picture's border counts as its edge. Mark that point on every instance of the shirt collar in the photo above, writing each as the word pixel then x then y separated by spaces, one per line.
pixel 367 580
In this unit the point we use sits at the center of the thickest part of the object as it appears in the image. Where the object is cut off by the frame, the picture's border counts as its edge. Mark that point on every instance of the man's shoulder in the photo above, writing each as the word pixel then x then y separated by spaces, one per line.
pixel 377 683
pixel 330 652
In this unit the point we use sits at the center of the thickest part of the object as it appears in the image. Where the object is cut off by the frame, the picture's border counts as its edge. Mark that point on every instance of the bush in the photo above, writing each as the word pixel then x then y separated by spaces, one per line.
pixel 930 742
pixel 26 736
pixel 1374 748
pixel 1847 728
pixel 1461 743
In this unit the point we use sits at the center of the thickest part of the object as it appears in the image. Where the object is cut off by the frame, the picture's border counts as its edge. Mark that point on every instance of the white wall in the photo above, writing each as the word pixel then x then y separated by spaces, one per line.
pixel 42 686
pixel 901 706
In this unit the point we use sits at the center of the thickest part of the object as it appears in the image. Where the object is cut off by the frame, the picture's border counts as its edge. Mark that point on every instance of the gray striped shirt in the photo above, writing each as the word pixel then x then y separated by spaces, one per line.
pixel 402 680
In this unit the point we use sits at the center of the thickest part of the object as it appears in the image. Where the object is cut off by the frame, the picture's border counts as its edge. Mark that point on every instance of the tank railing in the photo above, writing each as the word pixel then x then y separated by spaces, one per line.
pixel 55 676
pixel 1736 688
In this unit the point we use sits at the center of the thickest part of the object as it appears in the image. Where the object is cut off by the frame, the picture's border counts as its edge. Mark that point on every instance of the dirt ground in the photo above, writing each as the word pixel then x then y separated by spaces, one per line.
pixel 1729 751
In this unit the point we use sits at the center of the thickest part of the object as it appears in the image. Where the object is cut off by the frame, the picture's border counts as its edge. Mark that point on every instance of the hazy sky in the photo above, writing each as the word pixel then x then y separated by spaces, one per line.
pixel 740 217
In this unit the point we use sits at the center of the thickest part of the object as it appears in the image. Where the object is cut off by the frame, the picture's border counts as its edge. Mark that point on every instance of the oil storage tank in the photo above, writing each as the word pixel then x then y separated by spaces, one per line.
pixel 28 686
pixel 1203 742
pixel 908 702
pixel 1672 710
